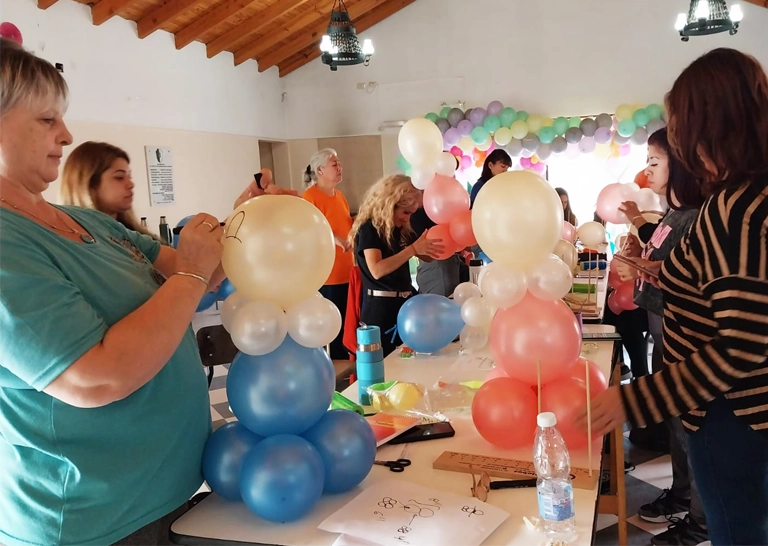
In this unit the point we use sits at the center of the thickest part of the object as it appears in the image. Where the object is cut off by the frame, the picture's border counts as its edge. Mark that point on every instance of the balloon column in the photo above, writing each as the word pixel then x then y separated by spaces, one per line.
pixel 286 449
pixel 470 135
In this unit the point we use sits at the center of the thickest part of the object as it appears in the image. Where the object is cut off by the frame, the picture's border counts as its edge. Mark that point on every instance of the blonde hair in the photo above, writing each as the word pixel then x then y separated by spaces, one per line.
pixel 379 205
pixel 318 159
pixel 26 79
pixel 81 178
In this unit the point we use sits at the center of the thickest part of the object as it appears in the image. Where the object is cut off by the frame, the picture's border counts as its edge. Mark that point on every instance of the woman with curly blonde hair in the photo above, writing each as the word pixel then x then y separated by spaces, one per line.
pixel 97 175
pixel 384 242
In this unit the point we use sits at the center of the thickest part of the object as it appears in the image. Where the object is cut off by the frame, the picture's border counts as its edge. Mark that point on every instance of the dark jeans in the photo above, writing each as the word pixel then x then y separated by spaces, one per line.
pixel 730 462
pixel 338 293
pixel 382 312
pixel 631 326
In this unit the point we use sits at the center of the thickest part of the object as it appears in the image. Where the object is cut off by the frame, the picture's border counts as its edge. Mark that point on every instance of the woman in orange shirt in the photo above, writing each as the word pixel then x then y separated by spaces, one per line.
pixel 322 176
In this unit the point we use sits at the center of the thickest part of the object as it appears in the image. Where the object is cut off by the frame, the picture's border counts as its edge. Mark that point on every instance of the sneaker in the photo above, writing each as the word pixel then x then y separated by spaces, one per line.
pixel 685 532
pixel 626 373
pixel 663 508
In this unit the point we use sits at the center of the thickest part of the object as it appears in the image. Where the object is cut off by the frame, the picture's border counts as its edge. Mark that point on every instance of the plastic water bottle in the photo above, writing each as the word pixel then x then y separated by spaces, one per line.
pixel 553 468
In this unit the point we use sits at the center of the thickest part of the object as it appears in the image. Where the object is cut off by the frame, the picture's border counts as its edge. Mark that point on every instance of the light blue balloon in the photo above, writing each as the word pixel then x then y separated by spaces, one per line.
pixel 479 134
pixel 182 223
pixel 429 322
pixel 282 392
pixel 547 135
pixel 282 478
pixel 226 289
pixel 347 447
pixel 223 458
pixel 207 301
pixel 486 260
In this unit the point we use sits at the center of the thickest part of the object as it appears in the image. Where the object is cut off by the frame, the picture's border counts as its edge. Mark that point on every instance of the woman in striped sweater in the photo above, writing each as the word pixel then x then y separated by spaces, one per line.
pixel 715 285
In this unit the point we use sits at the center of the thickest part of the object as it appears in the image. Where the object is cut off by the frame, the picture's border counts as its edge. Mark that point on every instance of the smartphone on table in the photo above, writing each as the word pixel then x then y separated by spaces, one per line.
pixel 421 433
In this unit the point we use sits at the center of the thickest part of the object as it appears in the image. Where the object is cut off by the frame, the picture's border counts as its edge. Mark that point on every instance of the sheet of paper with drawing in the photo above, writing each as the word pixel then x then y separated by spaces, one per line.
pixel 397 513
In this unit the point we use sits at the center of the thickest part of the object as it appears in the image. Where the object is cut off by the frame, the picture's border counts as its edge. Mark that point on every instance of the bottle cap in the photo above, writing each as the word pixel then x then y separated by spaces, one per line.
pixel 475 263
pixel 546 419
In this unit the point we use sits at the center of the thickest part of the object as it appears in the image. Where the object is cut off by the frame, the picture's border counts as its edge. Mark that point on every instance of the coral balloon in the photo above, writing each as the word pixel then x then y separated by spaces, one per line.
pixel 496 372
pixel 568 232
pixel 444 198
pixel 461 229
pixel 278 248
pixel 608 202
pixel 566 398
pixel 517 218
pixel 504 412
pixel 614 280
pixel 535 331
pixel 443 232
pixel 625 296
pixel 613 304
pixel 597 380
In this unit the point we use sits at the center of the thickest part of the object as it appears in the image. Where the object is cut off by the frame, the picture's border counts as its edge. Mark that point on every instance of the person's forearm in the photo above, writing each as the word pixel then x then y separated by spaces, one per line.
pixel 134 349
pixel 388 265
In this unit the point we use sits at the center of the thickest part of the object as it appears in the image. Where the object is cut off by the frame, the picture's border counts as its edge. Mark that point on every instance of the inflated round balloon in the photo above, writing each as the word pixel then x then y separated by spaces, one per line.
pixel 591 234
pixel 517 218
pixel 420 142
pixel 446 164
pixel 597 380
pixel 428 322
pixel 442 232
pixel 11 32
pixel 476 312
pixel 566 398
pixel 444 198
pixel 502 286
pixel 464 291
pixel 223 458
pixel 347 447
pixel 567 252
pixel 314 322
pixel 625 296
pixel 535 331
pixel 226 289
pixel 258 327
pixel 550 279
pixel 207 301
pixel 282 478
pixel 473 338
pixel 504 412
pixel 182 223
pixel 279 248
pixel 608 202
pixel 231 304
pixel 283 392
pixel 497 371
pixel 422 176
pixel 461 229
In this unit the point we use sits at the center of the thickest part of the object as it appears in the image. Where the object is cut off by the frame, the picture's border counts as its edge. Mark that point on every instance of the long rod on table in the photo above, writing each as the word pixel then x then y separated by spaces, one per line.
pixel 589 421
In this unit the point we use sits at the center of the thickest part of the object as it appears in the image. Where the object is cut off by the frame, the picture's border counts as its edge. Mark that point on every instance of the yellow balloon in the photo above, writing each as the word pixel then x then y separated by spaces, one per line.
pixel 466 144
pixel 547 122
pixel 602 151
pixel 517 219
pixel 503 136
pixel 420 141
pixel 591 234
pixel 278 248
pixel 624 111
pixel 485 146
pixel 535 123
pixel 519 129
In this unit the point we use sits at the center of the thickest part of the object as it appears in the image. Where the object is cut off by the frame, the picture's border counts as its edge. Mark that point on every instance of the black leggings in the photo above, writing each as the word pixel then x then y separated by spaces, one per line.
pixel 338 293
pixel 382 312
pixel 631 326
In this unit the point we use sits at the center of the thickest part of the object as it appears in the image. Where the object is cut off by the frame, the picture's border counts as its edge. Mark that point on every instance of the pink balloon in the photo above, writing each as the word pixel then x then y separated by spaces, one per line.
pixel 456 151
pixel 569 232
pixel 11 32
pixel 625 296
pixel 461 229
pixel 613 304
pixel 535 331
pixel 597 380
pixel 625 149
pixel 565 398
pixel 608 203
pixel 614 280
pixel 443 232
pixel 495 373
pixel 539 167
pixel 466 162
pixel 504 412
pixel 525 162
pixel 444 198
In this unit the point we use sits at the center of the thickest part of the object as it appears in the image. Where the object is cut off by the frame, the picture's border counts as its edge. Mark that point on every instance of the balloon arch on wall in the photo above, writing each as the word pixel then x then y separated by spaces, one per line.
pixel 531 139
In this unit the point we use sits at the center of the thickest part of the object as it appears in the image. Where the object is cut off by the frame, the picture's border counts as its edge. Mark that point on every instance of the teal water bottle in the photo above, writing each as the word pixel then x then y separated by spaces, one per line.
pixel 370 361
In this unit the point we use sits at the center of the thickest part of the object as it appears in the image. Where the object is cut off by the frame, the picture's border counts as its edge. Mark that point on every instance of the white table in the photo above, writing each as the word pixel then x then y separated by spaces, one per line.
pixel 215 520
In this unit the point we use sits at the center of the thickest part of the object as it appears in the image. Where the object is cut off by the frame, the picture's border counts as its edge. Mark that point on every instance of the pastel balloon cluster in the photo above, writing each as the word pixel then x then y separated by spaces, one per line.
pixel 278 251
pixel 286 449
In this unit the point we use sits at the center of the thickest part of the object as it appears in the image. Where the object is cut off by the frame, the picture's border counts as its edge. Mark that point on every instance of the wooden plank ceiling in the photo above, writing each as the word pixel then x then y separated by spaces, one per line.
pixel 282 33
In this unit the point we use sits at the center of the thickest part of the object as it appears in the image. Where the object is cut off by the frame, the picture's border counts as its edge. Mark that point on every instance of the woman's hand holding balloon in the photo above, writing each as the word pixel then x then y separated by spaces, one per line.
pixel 428 247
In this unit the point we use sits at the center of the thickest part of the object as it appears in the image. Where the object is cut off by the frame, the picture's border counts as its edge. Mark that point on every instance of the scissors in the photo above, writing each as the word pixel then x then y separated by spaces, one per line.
pixel 395 466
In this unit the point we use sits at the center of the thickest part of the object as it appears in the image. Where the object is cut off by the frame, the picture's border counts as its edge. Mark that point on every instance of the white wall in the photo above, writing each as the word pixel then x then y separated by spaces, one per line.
pixel 551 57
pixel 115 77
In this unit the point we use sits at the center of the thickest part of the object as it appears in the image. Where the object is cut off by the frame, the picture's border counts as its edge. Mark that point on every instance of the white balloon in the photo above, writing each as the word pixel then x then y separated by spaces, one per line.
pixel 314 322
pixel 476 312
pixel 591 234
pixel 231 304
pixel 446 164
pixel 647 200
pixel 420 142
pixel 422 176
pixel 465 291
pixel 550 279
pixel 473 339
pixel 567 252
pixel 502 286
pixel 629 191
pixel 258 327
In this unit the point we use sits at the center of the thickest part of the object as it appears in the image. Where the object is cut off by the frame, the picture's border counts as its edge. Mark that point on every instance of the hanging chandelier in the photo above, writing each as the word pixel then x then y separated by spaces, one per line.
pixel 708 17
pixel 341 46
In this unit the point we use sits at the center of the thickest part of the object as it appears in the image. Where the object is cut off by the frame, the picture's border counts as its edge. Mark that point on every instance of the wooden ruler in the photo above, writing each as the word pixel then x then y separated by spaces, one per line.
pixel 510 469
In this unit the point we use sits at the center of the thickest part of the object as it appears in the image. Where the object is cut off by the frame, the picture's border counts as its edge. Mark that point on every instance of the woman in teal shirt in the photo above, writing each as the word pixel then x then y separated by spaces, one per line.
pixel 104 407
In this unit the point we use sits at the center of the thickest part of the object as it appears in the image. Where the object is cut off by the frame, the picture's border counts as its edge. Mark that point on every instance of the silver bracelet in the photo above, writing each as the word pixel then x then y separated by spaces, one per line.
pixel 198 277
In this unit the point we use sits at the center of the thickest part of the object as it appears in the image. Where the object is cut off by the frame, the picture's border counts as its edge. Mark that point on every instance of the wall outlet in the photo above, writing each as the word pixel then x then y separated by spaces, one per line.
pixel 361 86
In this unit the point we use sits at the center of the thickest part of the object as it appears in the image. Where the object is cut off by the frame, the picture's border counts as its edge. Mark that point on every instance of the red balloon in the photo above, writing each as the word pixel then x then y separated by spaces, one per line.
pixel 444 198
pixel 504 412
pixel 625 296
pixel 461 229
pixel 498 371
pixel 11 32
pixel 443 232
pixel 597 381
pixel 565 398
pixel 608 202
pixel 569 232
pixel 613 305
pixel 614 280
pixel 535 331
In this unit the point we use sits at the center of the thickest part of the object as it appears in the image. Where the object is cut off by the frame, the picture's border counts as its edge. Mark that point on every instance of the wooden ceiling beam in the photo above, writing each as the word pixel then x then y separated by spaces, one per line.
pixel 161 15
pixel 361 25
pixel 45 4
pixel 106 9
pixel 309 16
pixel 200 26
pixel 251 26
pixel 761 3
pixel 313 35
